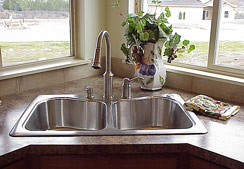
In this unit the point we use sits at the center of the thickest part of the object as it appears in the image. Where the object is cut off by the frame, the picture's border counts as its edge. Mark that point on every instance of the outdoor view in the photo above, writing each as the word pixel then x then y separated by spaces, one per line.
pixel 192 20
pixel 33 30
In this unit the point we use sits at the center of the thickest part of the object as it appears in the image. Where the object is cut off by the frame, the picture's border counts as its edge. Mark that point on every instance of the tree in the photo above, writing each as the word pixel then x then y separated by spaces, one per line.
pixel 6 4
pixel 50 5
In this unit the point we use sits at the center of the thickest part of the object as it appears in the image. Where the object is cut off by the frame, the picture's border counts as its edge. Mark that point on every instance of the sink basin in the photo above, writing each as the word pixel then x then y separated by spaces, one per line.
pixel 75 115
pixel 67 114
pixel 151 113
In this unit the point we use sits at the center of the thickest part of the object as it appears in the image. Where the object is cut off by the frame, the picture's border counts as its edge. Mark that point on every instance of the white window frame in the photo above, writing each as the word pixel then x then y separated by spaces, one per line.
pixel 54 60
pixel 213 48
pixel 214 42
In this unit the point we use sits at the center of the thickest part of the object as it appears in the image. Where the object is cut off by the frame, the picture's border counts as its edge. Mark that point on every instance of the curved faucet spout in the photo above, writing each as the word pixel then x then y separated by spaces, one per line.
pixel 96 64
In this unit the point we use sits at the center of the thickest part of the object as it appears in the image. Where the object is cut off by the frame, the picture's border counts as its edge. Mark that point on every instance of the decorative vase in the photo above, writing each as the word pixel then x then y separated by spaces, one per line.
pixel 151 67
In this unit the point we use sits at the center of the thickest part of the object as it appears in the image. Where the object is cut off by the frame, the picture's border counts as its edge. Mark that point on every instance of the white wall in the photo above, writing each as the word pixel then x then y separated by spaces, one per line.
pixel 231 13
pixel 113 25
pixel 92 20
pixel 97 16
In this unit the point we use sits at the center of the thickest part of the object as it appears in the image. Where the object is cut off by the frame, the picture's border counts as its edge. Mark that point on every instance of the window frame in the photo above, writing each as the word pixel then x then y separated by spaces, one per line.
pixel 72 23
pixel 212 67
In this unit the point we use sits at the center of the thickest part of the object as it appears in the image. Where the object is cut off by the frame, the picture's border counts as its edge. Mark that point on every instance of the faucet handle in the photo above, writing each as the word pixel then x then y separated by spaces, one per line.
pixel 126 87
pixel 89 91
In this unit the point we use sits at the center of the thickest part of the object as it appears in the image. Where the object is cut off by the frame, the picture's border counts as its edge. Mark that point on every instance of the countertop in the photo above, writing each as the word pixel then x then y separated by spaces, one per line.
pixel 223 144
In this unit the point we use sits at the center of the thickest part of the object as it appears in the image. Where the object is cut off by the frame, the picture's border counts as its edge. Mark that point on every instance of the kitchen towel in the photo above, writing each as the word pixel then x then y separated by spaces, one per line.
pixel 211 107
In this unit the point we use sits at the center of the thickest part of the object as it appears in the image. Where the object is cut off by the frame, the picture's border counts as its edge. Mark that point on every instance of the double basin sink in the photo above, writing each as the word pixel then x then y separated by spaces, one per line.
pixel 75 115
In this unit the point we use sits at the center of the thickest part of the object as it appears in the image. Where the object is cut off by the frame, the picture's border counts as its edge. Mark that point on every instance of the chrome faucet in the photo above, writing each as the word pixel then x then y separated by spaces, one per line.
pixel 126 87
pixel 108 75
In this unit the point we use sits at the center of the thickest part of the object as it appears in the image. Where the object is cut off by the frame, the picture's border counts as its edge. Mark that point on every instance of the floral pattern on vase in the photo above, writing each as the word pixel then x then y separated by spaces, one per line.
pixel 151 68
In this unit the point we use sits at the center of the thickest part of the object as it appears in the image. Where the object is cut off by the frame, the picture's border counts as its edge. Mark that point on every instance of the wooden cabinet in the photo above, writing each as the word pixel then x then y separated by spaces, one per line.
pixel 109 162
pixel 128 161
pixel 197 163
pixel 21 164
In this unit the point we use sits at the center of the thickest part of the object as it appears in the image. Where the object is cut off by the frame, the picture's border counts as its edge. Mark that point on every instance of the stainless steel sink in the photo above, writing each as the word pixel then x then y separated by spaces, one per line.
pixel 75 115
pixel 151 113
pixel 67 114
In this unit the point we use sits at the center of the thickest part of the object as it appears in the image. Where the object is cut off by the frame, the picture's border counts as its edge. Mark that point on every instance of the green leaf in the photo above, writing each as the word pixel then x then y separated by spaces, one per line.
pixel 131 27
pixel 174 40
pixel 139 27
pixel 166 44
pixel 153 1
pixel 168 52
pixel 144 36
pixel 140 13
pixel 168 13
pixel 123 23
pixel 124 49
pixel 167 30
pixel 192 47
pixel 186 42
pixel 151 35
pixel 161 15
pixel 143 22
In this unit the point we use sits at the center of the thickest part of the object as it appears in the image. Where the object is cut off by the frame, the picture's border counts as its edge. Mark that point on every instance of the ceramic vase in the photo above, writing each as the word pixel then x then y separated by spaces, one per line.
pixel 151 67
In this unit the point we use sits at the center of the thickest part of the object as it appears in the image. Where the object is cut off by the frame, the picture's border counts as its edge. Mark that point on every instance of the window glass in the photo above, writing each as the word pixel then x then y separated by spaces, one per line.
pixel 34 30
pixel 192 22
pixel 231 35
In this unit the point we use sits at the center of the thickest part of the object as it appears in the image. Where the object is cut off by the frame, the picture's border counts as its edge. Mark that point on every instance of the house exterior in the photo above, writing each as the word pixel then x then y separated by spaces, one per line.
pixel 193 11
pixel 228 11
pixel 181 10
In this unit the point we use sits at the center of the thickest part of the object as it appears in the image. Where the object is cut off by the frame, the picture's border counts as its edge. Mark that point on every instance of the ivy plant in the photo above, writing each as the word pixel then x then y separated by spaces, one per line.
pixel 142 28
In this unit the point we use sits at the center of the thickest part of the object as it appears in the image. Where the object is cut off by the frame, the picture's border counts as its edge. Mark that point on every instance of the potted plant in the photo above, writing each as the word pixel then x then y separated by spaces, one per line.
pixel 148 39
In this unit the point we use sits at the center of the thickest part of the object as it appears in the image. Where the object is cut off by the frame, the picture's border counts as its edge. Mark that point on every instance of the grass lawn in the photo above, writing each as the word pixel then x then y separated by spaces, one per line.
pixel 230 53
pixel 21 52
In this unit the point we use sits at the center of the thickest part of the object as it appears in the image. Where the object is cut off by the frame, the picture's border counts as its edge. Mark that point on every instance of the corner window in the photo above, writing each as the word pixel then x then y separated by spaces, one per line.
pixel 218 36
pixel 32 31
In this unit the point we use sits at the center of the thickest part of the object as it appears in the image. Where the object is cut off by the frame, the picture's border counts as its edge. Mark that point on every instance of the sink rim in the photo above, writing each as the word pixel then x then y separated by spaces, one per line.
pixel 19 129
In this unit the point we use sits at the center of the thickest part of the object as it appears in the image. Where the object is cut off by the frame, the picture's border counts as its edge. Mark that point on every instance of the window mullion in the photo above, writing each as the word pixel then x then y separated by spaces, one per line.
pixel 1 62
pixel 214 35
pixel 73 27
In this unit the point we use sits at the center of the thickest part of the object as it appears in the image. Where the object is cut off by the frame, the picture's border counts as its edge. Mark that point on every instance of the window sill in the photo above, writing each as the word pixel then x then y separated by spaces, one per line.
pixel 205 75
pixel 42 67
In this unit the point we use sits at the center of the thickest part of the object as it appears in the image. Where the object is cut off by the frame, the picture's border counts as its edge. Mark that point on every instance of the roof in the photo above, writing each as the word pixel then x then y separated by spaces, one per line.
pixel 191 3
pixel 210 3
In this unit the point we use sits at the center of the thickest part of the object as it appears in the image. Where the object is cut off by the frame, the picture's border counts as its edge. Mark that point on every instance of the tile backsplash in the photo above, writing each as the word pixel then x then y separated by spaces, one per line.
pixel 45 79
pixel 197 85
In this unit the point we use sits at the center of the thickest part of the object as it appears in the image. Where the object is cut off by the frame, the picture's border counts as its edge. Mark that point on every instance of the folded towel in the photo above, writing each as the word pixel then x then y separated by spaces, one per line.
pixel 211 107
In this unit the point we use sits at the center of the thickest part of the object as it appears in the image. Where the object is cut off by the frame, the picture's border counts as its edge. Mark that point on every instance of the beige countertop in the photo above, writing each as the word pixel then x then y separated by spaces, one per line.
pixel 224 142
